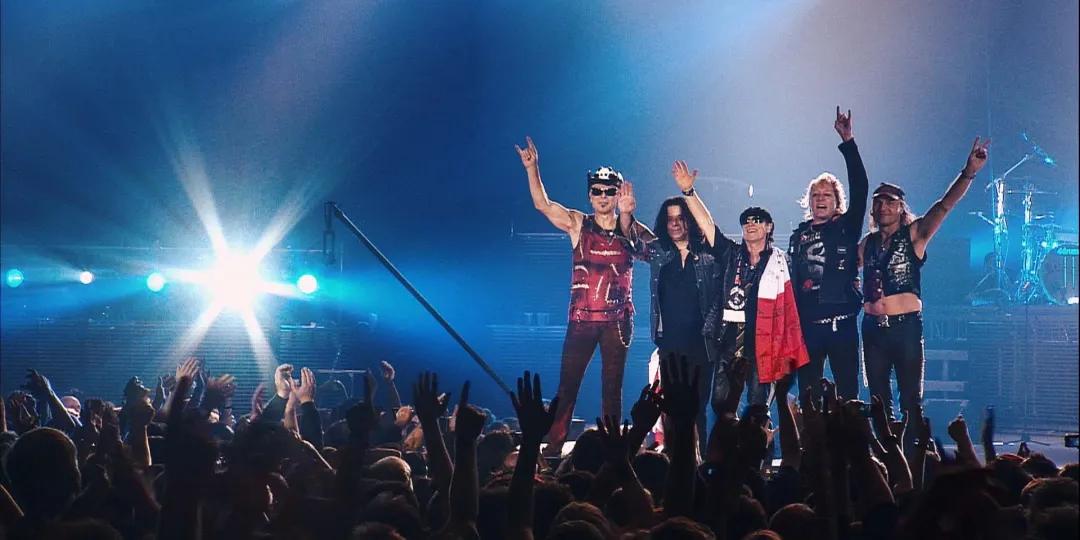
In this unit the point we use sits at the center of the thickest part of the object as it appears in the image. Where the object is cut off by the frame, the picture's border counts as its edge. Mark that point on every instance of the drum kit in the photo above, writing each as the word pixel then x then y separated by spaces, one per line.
pixel 1048 250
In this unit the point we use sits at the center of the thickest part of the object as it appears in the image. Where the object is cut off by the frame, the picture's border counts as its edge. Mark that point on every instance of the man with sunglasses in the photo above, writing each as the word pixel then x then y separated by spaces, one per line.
pixel 825 269
pixel 753 315
pixel 601 309
pixel 892 255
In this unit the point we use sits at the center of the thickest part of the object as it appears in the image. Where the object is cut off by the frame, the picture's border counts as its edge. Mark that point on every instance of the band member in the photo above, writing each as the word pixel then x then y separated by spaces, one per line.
pixel 753 315
pixel 825 269
pixel 601 310
pixel 684 278
pixel 892 256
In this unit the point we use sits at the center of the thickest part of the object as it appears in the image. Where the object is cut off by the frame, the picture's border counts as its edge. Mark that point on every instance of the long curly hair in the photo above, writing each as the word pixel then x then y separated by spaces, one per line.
pixel 838 192
pixel 693 231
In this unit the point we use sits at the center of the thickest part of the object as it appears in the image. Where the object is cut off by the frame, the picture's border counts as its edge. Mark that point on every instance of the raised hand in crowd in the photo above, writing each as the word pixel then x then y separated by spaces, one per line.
pixel 987 435
pixel 965 449
pixel 217 392
pixel 40 387
pixel 535 421
pixel 465 484
pixel 891 451
pixel 258 402
pixel 644 414
pixel 679 401
pixel 431 405
pixel 388 374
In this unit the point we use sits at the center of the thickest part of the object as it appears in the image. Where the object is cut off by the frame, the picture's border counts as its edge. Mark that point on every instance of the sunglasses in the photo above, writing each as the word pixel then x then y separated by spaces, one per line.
pixel 610 192
pixel 753 219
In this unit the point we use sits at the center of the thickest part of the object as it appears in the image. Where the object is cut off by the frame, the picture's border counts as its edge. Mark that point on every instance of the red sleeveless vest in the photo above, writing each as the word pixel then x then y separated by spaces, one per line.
pixel 600 286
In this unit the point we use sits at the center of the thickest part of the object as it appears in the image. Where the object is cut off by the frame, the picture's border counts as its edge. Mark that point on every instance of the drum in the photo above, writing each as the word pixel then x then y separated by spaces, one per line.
pixel 1058 273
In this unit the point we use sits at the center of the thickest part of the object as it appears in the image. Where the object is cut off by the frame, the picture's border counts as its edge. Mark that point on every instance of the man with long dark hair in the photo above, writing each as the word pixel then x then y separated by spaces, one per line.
pixel 825 269
pixel 892 255
pixel 753 313
pixel 683 280
pixel 601 308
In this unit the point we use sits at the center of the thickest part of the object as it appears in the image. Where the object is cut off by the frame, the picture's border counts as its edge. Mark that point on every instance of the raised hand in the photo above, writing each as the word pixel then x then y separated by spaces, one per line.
pixel 468 419
pixel 646 410
pixel 140 412
pixel 283 380
pixel 958 429
pixel 528 155
pixel 679 397
pixel 684 177
pixel 37 383
pixel 258 402
pixel 880 419
pixel 187 369
pixel 980 152
pixel 430 405
pixel 217 391
pixel 843 124
pixel 614 438
pixel 528 404
pixel 361 418
pixel 387 371
pixel 627 202
pixel 305 393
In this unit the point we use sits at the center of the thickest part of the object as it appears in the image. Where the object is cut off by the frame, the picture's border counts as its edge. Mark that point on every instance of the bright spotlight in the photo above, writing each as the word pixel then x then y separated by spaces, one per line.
pixel 235 281
pixel 86 277
pixel 13 277
pixel 155 282
pixel 307 284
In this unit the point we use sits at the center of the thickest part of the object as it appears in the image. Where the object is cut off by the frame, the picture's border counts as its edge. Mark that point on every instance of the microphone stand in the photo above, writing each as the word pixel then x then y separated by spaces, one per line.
pixel 333 210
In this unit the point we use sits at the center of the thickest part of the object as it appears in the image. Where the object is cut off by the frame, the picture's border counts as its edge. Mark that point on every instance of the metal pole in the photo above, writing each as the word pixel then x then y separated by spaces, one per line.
pixel 416 294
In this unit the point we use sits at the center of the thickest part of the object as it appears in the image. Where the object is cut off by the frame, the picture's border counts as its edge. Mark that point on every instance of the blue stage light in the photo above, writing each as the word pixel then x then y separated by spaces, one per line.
pixel 13 277
pixel 86 277
pixel 307 284
pixel 155 282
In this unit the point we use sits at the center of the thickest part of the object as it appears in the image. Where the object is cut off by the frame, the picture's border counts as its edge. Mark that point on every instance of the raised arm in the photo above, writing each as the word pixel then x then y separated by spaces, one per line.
pixel 928 225
pixel 42 390
pixel 858 183
pixel 535 422
pixel 561 217
pixel 685 179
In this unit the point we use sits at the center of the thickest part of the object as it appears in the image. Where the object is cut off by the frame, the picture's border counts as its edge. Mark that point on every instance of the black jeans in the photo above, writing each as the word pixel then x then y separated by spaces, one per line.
pixel 734 344
pixel 578 347
pixel 899 345
pixel 697 357
pixel 842 349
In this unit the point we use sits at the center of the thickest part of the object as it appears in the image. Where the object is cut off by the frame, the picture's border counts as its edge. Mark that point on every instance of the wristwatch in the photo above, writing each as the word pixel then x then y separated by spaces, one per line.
pixel 688 192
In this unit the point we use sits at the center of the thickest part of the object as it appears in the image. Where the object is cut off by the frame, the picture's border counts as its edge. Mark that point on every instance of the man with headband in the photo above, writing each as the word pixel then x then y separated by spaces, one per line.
pixel 892 256
pixel 753 315
pixel 601 309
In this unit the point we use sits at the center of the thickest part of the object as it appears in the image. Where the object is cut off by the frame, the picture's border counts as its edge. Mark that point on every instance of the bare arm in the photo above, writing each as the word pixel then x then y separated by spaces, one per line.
pixel 564 219
pixel 535 423
pixel 429 407
pixel 928 225
pixel 465 485
pixel 965 449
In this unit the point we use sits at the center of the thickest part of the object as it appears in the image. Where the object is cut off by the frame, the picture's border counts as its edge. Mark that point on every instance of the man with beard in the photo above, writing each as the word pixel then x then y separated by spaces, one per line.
pixel 601 309
pixel 892 256
pixel 825 269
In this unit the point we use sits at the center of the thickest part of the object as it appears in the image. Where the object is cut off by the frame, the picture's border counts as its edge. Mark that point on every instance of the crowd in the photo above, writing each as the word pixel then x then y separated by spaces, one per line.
pixel 173 462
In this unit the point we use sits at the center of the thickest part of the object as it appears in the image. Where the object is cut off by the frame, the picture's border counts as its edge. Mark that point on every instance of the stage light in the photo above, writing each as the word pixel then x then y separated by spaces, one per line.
pixel 235 281
pixel 155 282
pixel 307 284
pixel 86 277
pixel 13 277
pixel 1073 300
